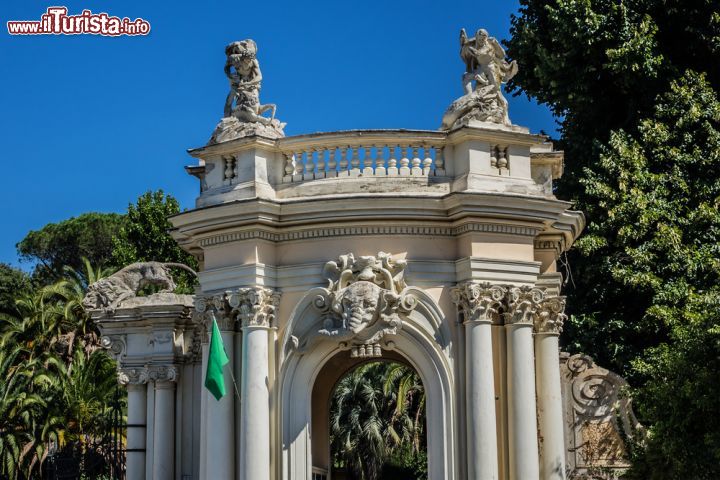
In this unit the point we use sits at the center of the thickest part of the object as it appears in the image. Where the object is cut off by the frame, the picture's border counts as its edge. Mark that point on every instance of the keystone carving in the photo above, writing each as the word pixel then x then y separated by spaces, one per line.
pixel 364 300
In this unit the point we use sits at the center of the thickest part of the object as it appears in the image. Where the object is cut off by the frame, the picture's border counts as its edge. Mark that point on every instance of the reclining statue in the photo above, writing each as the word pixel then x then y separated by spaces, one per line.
pixel 107 294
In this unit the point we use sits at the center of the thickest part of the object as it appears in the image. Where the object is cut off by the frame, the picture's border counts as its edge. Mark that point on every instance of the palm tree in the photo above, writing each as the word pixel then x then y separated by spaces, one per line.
pixel 377 416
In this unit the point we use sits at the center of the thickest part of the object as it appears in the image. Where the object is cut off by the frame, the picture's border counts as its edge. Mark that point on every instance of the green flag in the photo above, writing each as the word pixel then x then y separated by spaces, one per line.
pixel 217 359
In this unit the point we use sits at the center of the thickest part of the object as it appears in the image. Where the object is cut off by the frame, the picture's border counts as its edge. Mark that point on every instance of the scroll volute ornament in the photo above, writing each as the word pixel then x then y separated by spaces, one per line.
pixel 479 302
pixel 364 299
pixel 551 315
pixel 523 304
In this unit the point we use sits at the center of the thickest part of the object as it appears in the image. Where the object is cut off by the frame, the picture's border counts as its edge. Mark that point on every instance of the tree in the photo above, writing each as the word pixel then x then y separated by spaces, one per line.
pixel 146 237
pixel 377 422
pixel 600 66
pixel 634 84
pixel 14 283
pixel 660 236
pixel 66 243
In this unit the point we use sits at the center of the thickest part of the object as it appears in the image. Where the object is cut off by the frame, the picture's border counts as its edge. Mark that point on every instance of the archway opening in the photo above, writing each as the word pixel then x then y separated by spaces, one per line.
pixel 368 420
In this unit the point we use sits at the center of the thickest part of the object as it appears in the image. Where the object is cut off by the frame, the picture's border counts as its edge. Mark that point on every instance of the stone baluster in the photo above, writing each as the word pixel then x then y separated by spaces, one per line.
pixel 309 174
pixel 439 162
pixel 502 161
pixel 332 164
pixel 368 169
pixel 548 325
pixel 405 161
pixel 289 167
pixel 416 162
pixel 480 304
pixel 299 167
pixel 392 160
pixel 355 162
pixel 343 161
pixel 320 163
pixel 380 168
pixel 428 161
pixel 523 304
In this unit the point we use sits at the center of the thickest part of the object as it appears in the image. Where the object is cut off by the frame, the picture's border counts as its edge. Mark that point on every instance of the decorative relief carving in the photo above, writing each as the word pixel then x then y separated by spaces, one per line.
pixel 485 302
pixel 551 315
pixel 599 415
pixel 523 304
pixel 254 306
pixel 132 375
pixel 364 300
pixel 114 344
pixel 163 373
pixel 479 302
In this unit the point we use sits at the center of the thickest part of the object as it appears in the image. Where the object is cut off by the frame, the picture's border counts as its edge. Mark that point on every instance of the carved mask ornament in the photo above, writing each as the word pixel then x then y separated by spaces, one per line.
pixel 364 300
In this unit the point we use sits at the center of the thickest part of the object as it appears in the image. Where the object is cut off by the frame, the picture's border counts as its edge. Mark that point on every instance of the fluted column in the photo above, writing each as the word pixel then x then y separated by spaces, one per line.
pixel 548 325
pixel 165 378
pixel 480 305
pixel 135 380
pixel 522 417
pixel 219 449
pixel 256 308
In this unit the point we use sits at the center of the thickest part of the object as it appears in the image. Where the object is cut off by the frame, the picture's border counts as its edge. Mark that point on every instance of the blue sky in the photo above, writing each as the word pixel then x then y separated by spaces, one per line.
pixel 89 123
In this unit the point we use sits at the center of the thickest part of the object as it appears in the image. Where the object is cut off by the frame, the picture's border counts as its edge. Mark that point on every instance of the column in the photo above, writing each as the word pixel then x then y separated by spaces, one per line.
pixel 164 432
pixel 256 307
pixel 480 304
pixel 219 433
pixel 136 381
pixel 548 325
pixel 522 419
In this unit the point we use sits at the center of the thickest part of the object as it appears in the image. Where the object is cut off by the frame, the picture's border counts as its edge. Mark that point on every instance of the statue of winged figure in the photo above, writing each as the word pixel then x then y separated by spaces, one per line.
pixel 485 71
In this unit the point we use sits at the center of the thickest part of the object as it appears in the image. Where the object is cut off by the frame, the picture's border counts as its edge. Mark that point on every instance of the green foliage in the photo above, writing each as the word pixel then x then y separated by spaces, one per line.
pixel 377 423
pixel 13 283
pixel 642 151
pixel 145 237
pixel 57 385
pixel 66 243
pixel 660 236
pixel 600 65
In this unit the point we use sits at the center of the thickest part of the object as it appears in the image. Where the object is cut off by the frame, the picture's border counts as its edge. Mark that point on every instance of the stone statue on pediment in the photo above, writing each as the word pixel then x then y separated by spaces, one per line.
pixel 243 112
pixel 485 71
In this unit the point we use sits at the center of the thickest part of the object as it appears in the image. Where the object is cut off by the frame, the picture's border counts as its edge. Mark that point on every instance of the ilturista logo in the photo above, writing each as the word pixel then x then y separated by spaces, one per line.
pixel 56 21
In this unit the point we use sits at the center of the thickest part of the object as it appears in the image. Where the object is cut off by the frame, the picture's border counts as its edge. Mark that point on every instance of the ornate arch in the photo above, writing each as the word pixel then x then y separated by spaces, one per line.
pixel 390 317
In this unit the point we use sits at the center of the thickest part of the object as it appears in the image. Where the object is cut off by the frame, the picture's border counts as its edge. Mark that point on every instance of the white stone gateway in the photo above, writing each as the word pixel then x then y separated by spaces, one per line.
pixel 319 252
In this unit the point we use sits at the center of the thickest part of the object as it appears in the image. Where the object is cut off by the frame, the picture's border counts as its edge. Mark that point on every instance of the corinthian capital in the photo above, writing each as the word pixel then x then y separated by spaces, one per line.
pixel 523 305
pixel 254 306
pixel 163 373
pixel 479 302
pixel 551 316
pixel 208 305
pixel 132 375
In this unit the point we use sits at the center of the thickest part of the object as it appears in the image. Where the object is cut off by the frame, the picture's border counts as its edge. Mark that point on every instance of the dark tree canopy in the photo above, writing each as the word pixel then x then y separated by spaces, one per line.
pixel 635 83
pixel 66 243
pixel 14 283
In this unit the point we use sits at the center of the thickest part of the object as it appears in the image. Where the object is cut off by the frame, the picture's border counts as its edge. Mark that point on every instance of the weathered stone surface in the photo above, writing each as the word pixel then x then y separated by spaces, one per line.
pixel 242 116
pixel 230 128
pixel 118 289
pixel 485 71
